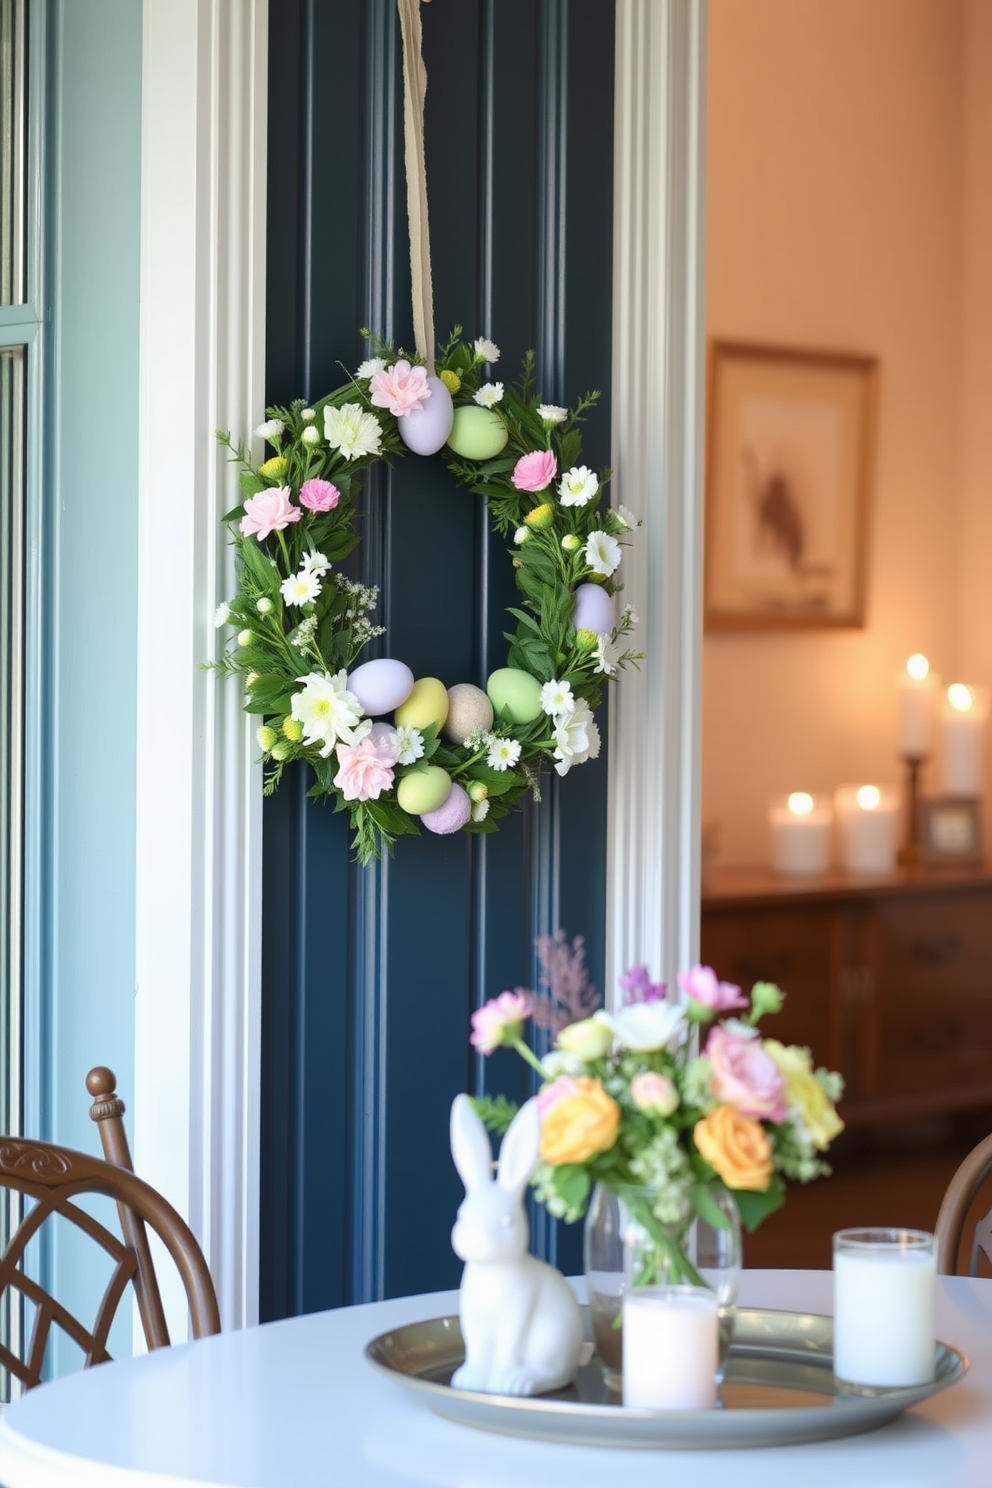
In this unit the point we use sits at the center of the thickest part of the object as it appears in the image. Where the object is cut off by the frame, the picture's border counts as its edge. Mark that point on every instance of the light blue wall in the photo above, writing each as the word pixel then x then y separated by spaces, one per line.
pixel 91 396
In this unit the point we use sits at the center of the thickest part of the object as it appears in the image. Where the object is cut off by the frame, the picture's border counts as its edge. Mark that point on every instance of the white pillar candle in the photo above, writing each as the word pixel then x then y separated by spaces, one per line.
pixel 885 1284
pixel 868 822
pixel 800 833
pixel 670 1348
pixel 917 692
pixel 963 716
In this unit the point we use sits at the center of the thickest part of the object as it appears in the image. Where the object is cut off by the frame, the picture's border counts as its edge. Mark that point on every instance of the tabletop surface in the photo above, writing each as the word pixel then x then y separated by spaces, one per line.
pixel 295 1405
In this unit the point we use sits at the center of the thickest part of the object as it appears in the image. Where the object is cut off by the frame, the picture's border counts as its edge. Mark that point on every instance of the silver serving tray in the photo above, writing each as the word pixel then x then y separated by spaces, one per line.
pixel 779 1387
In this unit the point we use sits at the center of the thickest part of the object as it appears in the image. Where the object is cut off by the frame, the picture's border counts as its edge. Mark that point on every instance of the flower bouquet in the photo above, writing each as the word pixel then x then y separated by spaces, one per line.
pixel 627 1102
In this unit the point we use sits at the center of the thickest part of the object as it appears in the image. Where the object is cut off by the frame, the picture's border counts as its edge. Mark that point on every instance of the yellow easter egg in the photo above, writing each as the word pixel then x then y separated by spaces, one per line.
pixel 427 703
pixel 477 433
pixel 516 691
pixel 424 790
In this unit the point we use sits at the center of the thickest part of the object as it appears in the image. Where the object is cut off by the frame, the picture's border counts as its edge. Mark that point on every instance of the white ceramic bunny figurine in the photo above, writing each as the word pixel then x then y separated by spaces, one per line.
pixel 521 1324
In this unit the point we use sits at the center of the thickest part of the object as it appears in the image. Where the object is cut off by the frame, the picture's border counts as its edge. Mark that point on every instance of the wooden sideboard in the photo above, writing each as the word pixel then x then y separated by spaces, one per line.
pixel 889 980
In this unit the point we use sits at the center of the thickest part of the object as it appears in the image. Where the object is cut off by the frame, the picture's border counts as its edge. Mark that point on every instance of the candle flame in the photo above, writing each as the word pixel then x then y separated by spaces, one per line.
pixel 868 797
pixel 917 666
pixel 800 803
pixel 959 696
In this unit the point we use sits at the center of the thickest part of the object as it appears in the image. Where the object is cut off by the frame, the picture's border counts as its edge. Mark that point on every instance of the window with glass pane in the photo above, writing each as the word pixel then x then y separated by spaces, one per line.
pixel 12 104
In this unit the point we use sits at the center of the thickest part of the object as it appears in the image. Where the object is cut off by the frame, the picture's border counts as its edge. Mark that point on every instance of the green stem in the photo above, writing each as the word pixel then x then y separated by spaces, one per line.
pixel 528 1055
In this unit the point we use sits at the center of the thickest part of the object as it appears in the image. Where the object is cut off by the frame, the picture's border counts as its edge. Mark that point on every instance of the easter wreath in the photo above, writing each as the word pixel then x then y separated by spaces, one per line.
pixel 397 752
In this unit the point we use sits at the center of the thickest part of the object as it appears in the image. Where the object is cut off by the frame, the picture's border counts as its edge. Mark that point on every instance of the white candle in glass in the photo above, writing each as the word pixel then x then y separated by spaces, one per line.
pixel 917 690
pixel 800 833
pixel 868 819
pixel 885 1285
pixel 963 717
pixel 670 1348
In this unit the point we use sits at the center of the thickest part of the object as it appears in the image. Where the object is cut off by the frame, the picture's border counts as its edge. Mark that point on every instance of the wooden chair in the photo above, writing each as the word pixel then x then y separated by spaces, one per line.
pixel 961 1194
pixel 55 1177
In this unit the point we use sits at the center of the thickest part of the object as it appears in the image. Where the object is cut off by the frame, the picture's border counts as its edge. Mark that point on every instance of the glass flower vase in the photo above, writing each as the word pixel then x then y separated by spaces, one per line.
pixel 626 1246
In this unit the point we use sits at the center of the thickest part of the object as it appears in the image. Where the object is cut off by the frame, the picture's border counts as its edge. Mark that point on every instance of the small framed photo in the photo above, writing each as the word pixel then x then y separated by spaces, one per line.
pixel 950 829
pixel 789 448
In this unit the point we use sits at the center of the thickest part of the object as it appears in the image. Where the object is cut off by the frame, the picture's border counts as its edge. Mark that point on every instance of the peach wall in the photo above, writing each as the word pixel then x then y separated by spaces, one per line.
pixel 837 185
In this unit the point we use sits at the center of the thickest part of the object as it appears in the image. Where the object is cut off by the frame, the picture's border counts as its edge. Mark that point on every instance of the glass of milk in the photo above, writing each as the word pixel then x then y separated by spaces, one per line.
pixel 885 1285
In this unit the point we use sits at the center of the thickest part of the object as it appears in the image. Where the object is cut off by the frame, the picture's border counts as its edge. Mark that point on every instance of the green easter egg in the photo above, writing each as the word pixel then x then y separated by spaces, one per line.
pixel 517 691
pixel 427 703
pixel 477 433
pixel 424 790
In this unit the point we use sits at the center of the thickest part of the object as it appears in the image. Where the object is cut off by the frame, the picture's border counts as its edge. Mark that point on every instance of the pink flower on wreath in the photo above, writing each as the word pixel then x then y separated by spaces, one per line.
pixel 702 986
pixel 270 511
pixel 400 388
pixel 744 1076
pixel 500 1020
pixel 366 769
pixel 534 472
pixel 551 1094
pixel 319 495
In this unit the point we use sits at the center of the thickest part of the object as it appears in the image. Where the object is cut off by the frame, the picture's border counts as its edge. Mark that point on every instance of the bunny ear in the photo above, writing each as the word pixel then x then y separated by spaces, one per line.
pixel 470 1145
pixel 519 1152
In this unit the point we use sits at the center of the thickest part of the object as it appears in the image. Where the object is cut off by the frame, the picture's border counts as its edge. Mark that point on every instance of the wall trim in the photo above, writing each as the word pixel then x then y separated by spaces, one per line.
pixel 658 393
pixel 198 873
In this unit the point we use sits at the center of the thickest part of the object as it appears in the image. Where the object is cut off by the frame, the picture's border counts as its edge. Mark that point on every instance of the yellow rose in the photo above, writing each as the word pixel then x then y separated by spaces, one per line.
pixel 580 1124
pixel 803 1090
pixel 737 1148
pixel 588 1038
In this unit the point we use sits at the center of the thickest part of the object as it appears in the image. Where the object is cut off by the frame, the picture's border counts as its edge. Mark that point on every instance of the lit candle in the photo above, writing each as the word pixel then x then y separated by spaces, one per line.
pixel 885 1284
pixel 868 818
pixel 917 689
pixel 962 734
pixel 670 1348
pixel 800 832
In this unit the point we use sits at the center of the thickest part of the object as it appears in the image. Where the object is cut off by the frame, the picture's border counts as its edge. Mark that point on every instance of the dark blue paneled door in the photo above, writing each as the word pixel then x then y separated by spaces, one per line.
pixel 371 975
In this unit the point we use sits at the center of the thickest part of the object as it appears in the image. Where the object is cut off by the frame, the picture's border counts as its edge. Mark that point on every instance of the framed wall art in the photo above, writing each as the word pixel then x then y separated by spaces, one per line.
pixel 949 829
pixel 789 449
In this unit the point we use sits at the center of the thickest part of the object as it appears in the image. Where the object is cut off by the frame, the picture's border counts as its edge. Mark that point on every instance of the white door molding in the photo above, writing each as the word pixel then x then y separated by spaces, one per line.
pixel 658 392
pixel 198 877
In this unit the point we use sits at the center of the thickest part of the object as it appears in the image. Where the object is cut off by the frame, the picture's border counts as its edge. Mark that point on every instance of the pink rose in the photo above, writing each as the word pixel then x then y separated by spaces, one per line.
pixel 319 495
pixel 366 769
pixel 400 388
pixel 654 1092
pixel 744 1076
pixel 270 511
pixel 702 986
pixel 556 1091
pixel 534 472
pixel 500 1020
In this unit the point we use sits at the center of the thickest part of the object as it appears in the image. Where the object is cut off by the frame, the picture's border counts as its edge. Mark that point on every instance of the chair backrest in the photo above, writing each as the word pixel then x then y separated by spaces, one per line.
pixel 55 1178
pixel 961 1194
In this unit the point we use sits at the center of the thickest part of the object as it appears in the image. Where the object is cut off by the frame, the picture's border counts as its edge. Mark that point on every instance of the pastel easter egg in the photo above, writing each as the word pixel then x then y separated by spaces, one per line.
pixel 517 691
pixel 427 703
pixel 381 685
pixel 424 790
pixel 593 609
pixel 477 433
pixel 425 431
pixel 452 815
pixel 469 709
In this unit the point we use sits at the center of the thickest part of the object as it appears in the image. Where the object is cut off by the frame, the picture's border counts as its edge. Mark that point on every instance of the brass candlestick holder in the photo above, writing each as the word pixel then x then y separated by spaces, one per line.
pixel 911 854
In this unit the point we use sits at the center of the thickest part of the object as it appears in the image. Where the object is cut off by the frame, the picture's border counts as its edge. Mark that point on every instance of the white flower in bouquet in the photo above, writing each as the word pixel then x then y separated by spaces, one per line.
pixel 603 553
pixel 486 350
pixel 352 431
pixel 328 711
pixel 646 1026
pixel 489 394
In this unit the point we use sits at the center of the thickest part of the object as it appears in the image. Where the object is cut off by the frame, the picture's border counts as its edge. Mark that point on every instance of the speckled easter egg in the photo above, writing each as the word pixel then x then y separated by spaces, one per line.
pixel 477 433
pixel 427 703
pixel 593 609
pixel 425 431
pixel 452 815
pixel 424 790
pixel 469 709
pixel 517 691
pixel 381 685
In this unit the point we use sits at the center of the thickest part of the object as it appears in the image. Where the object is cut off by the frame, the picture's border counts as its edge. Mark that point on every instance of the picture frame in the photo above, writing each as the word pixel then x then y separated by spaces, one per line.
pixel 949 830
pixel 789 458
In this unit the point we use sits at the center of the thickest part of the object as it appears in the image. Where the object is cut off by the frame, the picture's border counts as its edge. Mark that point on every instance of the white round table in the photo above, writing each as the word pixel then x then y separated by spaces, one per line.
pixel 295 1404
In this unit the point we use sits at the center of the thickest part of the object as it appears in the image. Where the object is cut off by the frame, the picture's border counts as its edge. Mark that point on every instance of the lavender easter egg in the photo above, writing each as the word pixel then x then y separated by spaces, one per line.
pixel 469 710
pixel 477 433
pixel 426 430
pixel 424 790
pixel 381 685
pixel 593 609
pixel 516 691
pixel 452 815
